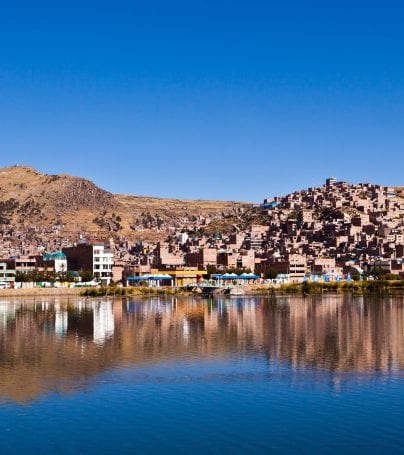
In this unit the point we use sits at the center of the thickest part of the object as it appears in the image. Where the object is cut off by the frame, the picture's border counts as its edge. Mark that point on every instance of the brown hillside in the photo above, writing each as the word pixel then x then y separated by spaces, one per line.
pixel 29 198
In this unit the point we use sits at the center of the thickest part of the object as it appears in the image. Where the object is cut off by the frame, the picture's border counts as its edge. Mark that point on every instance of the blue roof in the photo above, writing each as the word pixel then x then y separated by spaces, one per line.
pixel 161 277
pixel 138 278
pixel 53 256
pixel 244 276
pixel 150 277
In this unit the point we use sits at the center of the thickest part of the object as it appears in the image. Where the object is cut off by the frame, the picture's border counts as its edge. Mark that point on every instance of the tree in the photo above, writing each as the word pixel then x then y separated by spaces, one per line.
pixel 356 276
pixel 270 274
pixel 86 276
pixel 212 269
pixel 379 273
pixel 238 270
pixel 66 277
pixel 391 276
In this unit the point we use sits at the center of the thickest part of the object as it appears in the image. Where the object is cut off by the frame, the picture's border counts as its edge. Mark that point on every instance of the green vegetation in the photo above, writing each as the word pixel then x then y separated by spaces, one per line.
pixel 380 274
pixel 34 276
pixel 86 276
pixel 270 274
pixel 355 287
pixel 138 291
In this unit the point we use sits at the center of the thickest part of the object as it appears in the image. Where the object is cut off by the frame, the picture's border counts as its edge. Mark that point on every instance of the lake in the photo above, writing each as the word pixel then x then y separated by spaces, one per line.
pixel 320 374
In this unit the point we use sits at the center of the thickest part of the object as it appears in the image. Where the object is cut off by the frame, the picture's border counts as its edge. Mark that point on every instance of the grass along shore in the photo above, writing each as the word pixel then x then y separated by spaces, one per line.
pixel 354 287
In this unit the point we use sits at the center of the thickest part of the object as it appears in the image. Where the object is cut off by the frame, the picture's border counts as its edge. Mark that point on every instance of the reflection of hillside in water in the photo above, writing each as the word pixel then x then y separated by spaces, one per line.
pixel 56 346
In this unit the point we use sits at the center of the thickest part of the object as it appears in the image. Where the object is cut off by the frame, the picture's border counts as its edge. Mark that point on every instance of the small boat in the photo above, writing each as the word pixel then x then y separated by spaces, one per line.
pixel 237 290
pixel 206 289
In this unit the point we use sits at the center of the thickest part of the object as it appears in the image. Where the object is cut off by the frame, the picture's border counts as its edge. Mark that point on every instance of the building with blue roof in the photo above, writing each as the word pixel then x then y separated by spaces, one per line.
pixel 56 261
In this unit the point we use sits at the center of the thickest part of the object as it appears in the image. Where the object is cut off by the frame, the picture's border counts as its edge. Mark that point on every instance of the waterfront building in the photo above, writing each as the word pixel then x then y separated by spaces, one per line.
pixel 7 276
pixel 23 264
pixel 295 267
pixel 93 257
pixel 183 276
pixel 54 261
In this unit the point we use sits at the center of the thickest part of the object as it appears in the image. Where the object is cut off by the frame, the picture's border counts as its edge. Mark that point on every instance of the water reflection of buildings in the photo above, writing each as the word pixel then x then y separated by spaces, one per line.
pixel 103 321
pixel 339 334
pixel 61 320
pixel 58 345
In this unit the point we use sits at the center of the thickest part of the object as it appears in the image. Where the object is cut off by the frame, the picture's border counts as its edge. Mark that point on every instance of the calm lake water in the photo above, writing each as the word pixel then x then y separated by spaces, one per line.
pixel 193 375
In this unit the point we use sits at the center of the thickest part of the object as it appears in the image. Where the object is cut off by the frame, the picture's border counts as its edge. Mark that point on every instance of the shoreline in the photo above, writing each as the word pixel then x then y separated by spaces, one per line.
pixel 395 287
pixel 45 292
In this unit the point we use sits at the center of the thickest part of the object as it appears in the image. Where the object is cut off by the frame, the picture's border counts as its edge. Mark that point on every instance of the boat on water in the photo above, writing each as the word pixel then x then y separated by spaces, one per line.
pixel 214 289
pixel 237 290
pixel 205 288
pixel 227 290
pixel 208 289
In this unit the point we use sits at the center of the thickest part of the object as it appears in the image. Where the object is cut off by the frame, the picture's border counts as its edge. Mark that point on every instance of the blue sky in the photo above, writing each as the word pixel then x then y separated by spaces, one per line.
pixel 204 99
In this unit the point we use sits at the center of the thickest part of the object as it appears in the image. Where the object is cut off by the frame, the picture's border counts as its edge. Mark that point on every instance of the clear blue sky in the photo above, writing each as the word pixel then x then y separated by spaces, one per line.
pixel 204 99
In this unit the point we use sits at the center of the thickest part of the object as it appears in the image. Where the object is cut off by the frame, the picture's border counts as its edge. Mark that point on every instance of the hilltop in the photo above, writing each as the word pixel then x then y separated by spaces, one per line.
pixel 75 206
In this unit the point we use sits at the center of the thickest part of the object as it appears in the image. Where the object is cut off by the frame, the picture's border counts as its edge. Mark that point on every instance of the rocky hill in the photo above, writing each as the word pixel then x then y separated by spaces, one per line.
pixel 72 206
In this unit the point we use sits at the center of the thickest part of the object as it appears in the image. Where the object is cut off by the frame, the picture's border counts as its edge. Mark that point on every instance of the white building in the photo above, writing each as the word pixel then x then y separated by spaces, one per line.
pixel 103 260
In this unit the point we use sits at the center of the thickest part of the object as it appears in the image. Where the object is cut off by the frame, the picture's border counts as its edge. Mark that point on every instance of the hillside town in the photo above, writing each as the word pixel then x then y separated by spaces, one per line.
pixel 335 232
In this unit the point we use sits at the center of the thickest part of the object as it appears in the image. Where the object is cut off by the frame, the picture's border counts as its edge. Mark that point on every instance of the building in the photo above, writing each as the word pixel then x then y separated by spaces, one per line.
pixel 246 260
pixel 183 238
pixel 22 264
pixel 53 261
pixel 166 257
pixel 226 259
pixel 257 236
pixel 7 276
pixel 117 271
pixel 331 181
pixel 295 267
pixel 91 257
pixel 203 258
pixel 184 276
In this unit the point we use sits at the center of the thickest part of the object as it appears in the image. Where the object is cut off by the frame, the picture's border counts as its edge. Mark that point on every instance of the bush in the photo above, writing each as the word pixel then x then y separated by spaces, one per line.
pixel 391 276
